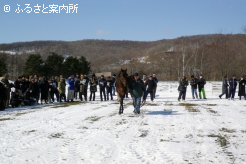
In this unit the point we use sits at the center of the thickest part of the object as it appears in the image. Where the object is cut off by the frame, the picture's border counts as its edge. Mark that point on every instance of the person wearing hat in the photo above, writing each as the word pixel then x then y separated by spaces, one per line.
pixel 136 89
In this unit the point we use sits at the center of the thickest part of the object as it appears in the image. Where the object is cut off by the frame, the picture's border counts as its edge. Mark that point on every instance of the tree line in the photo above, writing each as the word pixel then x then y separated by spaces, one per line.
pixel 53 65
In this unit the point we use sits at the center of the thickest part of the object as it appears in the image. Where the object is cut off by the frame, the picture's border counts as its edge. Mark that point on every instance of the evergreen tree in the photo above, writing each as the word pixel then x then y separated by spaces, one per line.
pixel 35 65
pixel 85 65
pixel 72 66
pixel 3 66
pixel 54 64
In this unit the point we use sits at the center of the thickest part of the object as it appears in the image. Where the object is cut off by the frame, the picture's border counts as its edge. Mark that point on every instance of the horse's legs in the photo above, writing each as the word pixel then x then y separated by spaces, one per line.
pixel 122 108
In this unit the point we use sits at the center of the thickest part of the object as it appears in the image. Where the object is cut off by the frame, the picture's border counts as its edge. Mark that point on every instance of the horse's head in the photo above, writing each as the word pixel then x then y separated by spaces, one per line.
pixel 123 72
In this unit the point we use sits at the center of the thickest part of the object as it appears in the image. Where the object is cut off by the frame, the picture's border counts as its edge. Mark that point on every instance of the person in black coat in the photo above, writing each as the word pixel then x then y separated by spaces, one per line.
pixel 241 89
pixel 183 83
pixel 34 89
pixel 44 89
pixel 93 87
pixel 232 87
pixel 109 87
pixel 150 87
pixel 201 83
pixel 8 86
pixel 3 95
pixel 193 84
pixel 224 88
pixel 102 87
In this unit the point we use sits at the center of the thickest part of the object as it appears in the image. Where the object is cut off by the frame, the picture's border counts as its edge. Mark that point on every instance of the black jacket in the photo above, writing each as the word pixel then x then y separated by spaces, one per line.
pixel 183 85
pixel 193 83
pixel 232 84
pixel 151 85
pixel 242 84
pixel 201 83
pixel 225 85
pixel 102 83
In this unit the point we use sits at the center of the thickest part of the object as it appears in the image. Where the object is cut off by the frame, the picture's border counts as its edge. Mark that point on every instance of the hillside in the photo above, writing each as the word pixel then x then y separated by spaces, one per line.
pixel 212 55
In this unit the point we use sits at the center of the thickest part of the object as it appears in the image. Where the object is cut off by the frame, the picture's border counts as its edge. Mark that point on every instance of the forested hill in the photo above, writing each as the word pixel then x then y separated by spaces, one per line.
pixel 212 55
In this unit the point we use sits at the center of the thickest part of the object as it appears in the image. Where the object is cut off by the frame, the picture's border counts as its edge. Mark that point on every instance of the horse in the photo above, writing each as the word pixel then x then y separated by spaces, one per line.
pixel 121 87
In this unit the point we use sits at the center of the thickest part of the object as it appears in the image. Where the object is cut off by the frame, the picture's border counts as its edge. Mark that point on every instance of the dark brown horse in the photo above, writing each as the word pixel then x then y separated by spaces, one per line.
pixel 121 87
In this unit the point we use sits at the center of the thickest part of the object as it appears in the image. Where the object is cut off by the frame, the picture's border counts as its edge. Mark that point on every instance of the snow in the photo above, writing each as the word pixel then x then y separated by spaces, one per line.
pixel 12 52
pixel 166 131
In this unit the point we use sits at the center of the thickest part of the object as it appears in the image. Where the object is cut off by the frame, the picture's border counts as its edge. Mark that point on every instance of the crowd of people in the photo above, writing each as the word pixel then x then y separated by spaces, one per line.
pixel 30 90
pixel 228 87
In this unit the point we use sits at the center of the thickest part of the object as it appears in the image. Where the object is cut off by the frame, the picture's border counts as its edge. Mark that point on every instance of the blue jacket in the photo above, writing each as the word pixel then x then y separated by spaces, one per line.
pixel 71 84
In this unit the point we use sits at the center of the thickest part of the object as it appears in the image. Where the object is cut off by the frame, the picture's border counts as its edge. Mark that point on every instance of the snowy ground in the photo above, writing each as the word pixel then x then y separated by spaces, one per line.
pixel 167 131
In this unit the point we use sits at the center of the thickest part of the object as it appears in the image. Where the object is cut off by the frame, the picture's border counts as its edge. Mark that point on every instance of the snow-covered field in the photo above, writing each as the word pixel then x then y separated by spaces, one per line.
pixel 167 131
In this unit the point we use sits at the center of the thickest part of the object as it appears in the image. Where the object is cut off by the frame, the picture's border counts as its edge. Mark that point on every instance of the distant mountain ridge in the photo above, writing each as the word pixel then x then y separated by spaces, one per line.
pixel 212 55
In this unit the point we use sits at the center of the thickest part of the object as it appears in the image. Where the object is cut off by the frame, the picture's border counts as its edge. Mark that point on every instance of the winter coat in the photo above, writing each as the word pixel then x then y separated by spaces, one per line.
pixel 232 84
pixel 6 84
pixel 82 86
pixel 24 85
pixel 110 83
pixel 193 83
pixel 183 85
pixel 17 84
pixel 71 84
pixel 113 81
pixel 44 89
pixel 3 91
pixel 201 83
pixel 3 95
pixel 137 88
pixel 61 87
pixel 156 81
pixel 102 83
pixel 93 84
pixel 34 89
pixel 225 85
pixel 242 84
pixel 151 85
pixel 77 85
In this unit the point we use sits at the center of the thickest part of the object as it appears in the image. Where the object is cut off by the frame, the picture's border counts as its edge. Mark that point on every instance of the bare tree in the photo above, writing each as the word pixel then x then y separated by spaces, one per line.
pixel 244 29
